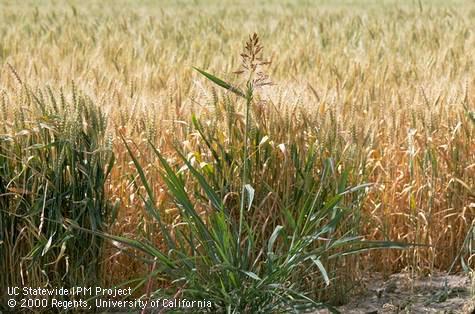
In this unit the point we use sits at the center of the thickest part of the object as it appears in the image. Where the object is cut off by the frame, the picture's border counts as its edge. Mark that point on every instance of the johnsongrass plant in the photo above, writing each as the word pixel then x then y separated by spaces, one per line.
pixel 216 252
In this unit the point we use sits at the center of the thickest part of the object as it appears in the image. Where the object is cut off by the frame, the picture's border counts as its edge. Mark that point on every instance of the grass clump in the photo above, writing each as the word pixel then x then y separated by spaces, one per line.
pixel 218 249
pixel 54 163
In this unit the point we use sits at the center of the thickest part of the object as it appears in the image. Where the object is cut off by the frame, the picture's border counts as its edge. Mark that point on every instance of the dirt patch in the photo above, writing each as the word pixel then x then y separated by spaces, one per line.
pixel 438 293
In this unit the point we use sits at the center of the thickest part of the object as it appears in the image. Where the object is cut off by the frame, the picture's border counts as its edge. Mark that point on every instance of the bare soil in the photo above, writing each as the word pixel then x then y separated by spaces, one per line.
pixel 438 293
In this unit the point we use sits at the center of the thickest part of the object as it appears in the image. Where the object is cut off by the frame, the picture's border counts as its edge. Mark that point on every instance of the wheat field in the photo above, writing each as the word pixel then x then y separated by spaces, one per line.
pixel 120 162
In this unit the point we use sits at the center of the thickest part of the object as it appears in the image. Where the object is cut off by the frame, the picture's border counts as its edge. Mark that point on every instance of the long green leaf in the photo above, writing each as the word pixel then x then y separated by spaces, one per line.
pixel 221 83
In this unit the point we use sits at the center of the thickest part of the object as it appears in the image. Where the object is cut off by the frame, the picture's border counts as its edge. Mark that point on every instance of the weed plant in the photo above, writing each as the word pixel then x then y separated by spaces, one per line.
pixel 220 249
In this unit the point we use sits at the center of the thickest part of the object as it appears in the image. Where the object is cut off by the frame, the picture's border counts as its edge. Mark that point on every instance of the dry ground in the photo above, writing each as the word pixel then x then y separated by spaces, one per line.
pixel 438 293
